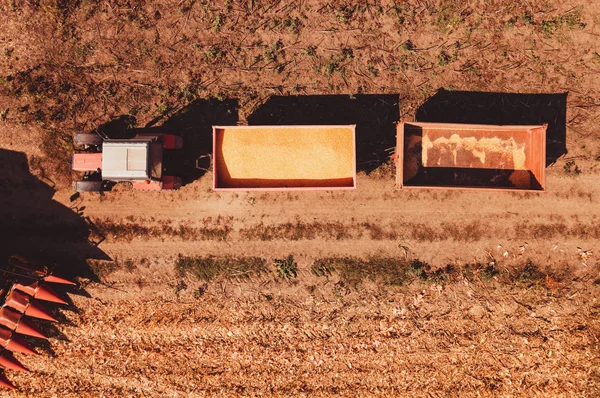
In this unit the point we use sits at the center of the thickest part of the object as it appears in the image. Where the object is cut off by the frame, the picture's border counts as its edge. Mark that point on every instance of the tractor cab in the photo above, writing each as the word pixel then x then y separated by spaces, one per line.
pixel 138 160
pixel 132 160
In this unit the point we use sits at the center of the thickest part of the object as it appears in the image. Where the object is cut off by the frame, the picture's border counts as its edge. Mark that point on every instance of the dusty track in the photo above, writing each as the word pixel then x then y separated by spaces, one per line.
pixel 376 218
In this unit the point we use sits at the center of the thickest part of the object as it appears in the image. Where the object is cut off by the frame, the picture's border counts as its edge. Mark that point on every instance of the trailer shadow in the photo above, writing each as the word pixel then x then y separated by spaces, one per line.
pixel 42 230
pixel 502 108
pixel 194 123
pixel 375 116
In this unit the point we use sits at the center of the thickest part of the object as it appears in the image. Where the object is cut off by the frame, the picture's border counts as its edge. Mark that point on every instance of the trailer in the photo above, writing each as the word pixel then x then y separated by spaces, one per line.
pixel 284 157
pixel 470 156
pixel 138 160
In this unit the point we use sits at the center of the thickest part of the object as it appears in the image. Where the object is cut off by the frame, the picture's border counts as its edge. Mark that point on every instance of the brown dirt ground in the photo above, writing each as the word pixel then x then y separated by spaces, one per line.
pixel 69 66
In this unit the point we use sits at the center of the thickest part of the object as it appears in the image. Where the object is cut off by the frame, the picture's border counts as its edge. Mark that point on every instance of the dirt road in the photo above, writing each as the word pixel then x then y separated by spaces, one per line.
pixel 438 226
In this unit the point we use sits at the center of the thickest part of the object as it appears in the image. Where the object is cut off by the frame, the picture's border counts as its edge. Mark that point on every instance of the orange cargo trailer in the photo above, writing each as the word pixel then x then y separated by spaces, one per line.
pixel 464 156
pixel 284 157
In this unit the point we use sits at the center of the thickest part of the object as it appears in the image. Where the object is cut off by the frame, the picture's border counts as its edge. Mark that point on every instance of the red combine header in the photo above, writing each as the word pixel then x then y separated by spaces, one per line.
pixel 23 283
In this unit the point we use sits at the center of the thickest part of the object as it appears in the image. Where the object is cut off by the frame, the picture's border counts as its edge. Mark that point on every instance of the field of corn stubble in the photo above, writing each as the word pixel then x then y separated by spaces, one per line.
pixel 376 291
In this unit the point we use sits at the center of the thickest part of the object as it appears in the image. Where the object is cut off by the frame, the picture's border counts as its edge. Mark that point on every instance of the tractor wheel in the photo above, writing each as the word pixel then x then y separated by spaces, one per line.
pixel 87 139
pixel 87 186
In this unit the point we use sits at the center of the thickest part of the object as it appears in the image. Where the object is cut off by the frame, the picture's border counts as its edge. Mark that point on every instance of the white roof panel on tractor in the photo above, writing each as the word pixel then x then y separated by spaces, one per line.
pixel 125 160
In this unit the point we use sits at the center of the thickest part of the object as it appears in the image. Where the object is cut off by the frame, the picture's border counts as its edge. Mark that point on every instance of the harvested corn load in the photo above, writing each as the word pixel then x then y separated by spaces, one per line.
pixel 280 157
pixel 470 151
pixel 453 155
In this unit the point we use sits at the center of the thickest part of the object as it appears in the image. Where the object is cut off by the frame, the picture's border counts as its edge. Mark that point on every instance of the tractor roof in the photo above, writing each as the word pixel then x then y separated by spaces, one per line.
pixel 125 159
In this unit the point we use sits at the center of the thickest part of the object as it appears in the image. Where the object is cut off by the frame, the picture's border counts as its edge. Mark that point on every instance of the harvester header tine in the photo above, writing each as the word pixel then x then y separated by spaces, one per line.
pixel 57 279
pixel 14 320
pixel 20 267
pixel 40 292
pixel 25 304
pixel 4 382
pixel 17 344
pixel 28 329
pixel 36 310
pixel 44 292
pixel 8 361
pixel 10 341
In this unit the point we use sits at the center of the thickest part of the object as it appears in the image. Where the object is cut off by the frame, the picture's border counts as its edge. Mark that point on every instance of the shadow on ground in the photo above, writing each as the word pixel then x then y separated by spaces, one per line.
pixel 502 108
pixel 39 228
pixel 44 231
pixel 375 116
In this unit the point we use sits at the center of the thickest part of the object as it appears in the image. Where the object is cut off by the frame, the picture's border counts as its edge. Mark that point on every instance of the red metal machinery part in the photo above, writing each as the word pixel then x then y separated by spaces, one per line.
pixel 26 305
pixel 4 382
pixel 86 161
pixel 39 291
pixel 11 342
pixel 8 361
pixel 14 320
pixel 27 283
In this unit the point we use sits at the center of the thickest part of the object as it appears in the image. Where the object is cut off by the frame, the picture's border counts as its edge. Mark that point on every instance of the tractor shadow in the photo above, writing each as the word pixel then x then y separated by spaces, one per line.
pixel 44 231
pixel 194 123
pixel 502 108
pixel 375 116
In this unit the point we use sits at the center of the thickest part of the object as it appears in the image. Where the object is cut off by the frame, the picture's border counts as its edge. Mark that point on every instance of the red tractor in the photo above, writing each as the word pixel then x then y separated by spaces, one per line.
pixel 138 160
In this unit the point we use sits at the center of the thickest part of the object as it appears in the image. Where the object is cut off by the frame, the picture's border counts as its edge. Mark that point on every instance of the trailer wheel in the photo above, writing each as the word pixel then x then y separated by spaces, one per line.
pixel 87 186
pixel 87 139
